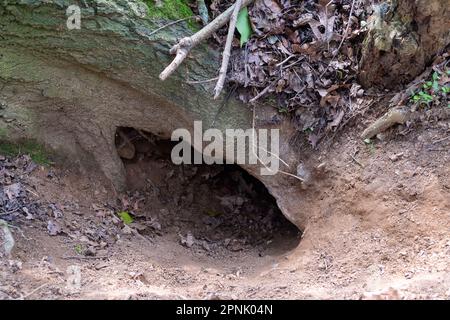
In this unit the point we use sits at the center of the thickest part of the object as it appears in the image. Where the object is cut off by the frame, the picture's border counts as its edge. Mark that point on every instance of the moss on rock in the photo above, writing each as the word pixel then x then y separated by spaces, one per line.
pixel 36 151
pixel 171 9
pixel 3 132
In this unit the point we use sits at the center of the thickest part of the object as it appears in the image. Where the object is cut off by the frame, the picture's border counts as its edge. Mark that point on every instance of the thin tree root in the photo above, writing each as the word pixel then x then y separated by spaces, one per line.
pixel 394 116
pixel 170 24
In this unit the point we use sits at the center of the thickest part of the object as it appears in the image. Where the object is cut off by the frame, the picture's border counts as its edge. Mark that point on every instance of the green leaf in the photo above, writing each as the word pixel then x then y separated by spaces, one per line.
pixel 78 248
pixel 436 86
pixel 125 216
pixel 243 25
pixel 435 76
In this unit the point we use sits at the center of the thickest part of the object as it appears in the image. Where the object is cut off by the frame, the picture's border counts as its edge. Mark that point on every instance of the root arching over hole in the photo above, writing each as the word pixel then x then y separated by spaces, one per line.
pixel 211 210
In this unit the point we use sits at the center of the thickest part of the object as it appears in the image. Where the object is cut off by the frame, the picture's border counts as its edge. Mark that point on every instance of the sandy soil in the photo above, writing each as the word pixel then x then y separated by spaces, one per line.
pixel 380 227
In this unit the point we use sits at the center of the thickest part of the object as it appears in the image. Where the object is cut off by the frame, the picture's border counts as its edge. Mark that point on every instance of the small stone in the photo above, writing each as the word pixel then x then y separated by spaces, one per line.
pixel 448 294
pixel 126 151
pixel 396 157
pixel 127 230
pixel 389 294
pixel 303 173
pixel 15 265
pixel 188 241
pixel 53 228
pixel 382 136
pixel 102 252
pixel 27 212
pixel 90 251
pixel 205 246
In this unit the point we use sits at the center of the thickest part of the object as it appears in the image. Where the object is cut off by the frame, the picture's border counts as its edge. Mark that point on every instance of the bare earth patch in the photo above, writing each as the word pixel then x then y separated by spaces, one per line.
pixel 380 227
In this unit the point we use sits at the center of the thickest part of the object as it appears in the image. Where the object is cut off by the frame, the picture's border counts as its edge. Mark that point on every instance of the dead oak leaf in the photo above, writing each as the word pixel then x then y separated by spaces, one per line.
pixel 326 20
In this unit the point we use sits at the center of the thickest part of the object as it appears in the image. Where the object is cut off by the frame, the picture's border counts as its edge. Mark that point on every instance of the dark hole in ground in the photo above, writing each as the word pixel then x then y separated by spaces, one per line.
pixel 213 209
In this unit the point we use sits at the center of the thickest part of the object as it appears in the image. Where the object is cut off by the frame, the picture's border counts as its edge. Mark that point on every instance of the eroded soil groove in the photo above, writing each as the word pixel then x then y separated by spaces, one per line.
pixel 212 209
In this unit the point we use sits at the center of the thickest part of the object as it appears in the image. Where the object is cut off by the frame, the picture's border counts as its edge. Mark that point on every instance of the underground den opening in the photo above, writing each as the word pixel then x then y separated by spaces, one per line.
pixel 211 209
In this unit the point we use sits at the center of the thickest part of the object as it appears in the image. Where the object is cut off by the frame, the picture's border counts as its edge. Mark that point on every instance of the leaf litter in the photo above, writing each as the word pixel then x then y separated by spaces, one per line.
pixel 303 57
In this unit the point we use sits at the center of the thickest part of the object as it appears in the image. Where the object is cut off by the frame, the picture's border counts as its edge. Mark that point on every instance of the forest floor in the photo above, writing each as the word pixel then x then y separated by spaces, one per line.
pixel 379 209
pixel 379 228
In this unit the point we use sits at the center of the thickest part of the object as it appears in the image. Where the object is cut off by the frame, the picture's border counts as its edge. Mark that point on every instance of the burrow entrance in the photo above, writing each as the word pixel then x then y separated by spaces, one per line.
pixel 211 209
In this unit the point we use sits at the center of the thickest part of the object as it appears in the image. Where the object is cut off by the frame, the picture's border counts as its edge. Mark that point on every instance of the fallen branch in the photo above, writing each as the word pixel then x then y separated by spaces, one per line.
pixel 357 161
pixel 392 117
pixel 185 45
pixel 227 49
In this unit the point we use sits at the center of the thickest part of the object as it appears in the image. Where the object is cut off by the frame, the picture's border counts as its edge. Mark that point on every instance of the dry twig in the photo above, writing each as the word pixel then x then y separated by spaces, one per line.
pixel 84 257
pixel 33 291
pixel 344 36
pixel 185 45
pixel 201 81
pixel 263 92
pixel 227 50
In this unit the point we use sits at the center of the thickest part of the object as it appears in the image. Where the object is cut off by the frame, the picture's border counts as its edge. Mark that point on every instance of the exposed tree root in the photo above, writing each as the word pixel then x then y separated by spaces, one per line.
pixel 394 116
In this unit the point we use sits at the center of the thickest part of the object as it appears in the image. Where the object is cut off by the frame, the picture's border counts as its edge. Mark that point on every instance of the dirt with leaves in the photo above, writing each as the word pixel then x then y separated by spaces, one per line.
pixel 378 228
pixel 302 57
